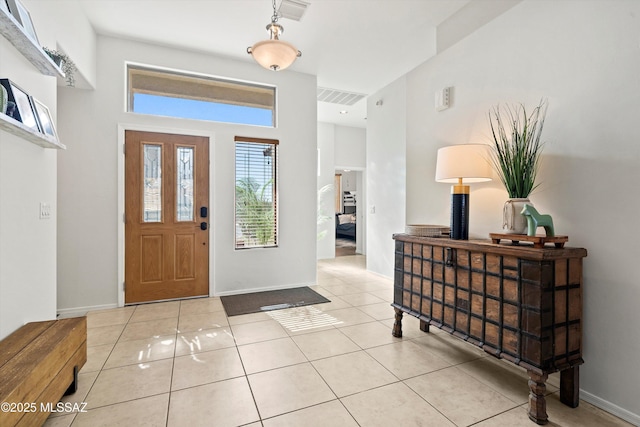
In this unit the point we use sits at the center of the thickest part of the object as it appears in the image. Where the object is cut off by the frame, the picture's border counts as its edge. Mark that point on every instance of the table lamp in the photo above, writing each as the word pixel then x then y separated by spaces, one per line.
pixel 462 164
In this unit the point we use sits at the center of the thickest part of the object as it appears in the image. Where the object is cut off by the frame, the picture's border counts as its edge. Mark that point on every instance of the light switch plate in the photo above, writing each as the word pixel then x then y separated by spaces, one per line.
pixel 45 210
pixel 443 99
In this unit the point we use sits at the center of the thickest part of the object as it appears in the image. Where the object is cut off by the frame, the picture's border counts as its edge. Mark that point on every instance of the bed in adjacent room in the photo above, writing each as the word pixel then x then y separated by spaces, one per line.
pixel 346 226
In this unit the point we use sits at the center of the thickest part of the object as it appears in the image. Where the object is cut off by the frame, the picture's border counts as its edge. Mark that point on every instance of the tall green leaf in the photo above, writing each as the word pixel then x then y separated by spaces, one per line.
pixel 517 146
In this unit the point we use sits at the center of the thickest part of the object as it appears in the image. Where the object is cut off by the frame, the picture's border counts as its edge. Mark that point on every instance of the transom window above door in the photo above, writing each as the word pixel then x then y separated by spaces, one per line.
pixel 179 94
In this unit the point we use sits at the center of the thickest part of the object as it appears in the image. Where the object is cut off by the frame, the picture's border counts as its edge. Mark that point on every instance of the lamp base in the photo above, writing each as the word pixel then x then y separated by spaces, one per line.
pixel 459 213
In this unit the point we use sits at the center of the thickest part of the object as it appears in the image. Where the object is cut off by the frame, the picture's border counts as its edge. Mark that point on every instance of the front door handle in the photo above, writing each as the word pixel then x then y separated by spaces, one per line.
pixel 203 226
pixel 204 212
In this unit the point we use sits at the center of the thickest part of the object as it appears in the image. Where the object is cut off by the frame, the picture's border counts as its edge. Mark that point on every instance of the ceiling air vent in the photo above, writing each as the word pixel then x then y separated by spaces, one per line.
pixel 292 9
pixel 335 96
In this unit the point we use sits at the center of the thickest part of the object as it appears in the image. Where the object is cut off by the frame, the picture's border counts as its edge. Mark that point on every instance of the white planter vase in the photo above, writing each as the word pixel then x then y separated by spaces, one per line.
pixel 513 222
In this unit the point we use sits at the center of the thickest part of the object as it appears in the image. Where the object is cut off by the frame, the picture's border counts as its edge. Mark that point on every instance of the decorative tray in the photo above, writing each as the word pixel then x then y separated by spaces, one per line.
pixel 425 230
pixel 538 241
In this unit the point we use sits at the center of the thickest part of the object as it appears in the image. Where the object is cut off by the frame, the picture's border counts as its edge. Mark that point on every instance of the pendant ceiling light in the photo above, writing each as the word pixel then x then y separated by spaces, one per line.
pixel 274 54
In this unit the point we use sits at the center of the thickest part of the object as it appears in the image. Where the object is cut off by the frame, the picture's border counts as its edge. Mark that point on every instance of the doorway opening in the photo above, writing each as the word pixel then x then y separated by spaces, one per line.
pixel 347 185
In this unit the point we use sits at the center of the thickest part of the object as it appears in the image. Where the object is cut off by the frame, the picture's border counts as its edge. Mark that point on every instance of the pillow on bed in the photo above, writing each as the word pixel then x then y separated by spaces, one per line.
pixel 345 219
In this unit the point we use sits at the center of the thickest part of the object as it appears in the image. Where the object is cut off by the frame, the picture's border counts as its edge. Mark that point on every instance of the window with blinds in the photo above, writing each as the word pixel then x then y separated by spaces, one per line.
pixel 256 207
pixel 180 94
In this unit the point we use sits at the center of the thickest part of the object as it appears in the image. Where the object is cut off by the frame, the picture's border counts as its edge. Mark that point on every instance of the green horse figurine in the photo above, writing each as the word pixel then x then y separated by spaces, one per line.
pixel 535 220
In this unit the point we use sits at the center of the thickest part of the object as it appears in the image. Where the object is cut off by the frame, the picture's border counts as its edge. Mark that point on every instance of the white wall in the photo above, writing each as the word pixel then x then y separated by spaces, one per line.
pixel 69 30
pixel 341 147
pixel 350 147
pixel 468 19
pixel 90 185
pixel 27 178
pixel 386 174
pixel 348 180
pixel 351 153
pixel 361 210
pixel 585 58
pixel 326 192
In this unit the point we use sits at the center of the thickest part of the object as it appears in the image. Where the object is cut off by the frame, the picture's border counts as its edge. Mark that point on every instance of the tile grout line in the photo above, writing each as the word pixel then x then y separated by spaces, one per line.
pixel 338 398
pixel 173 365
pixel 307 360
pixel 246 376
pixel 399 381
pixel 495 415
pixel 102 366
pixel 323 379
pixel 429 403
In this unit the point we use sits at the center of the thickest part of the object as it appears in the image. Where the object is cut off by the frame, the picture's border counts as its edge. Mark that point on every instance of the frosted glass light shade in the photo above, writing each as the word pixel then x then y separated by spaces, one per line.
pixel 466 161
pixel 274 54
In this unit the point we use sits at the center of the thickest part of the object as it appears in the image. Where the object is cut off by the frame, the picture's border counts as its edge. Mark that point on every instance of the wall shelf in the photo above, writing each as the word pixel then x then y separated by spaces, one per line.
pixel 14 127
pixel 12 31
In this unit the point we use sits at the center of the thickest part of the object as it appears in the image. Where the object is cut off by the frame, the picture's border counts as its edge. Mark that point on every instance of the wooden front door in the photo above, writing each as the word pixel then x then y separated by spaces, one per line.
pixel 166 216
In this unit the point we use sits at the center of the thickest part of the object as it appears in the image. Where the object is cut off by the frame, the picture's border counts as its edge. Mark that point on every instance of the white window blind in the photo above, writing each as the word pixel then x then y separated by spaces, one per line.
pixel 256 217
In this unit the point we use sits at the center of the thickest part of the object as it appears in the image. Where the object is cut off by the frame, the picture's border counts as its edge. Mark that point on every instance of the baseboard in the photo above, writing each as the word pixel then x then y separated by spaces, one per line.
pixel 382 276
pixel 610 408
pixel 81 311
pixel 274 288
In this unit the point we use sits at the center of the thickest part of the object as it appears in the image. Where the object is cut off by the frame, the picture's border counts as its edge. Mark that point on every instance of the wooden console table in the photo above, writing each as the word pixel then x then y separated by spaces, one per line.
pixel 518 303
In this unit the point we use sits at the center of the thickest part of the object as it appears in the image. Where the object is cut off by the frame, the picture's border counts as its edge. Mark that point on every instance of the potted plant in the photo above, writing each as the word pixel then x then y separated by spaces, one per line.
pixel 65 63
pixel 516 156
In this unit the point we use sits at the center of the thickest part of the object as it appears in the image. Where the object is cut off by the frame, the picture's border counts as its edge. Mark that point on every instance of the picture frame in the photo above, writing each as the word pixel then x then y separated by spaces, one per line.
pixel 24 110
pixel 22 15
pixel 45 120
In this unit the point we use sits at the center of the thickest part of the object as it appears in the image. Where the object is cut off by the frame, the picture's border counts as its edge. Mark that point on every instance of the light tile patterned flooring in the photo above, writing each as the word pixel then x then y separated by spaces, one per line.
pixel 185 363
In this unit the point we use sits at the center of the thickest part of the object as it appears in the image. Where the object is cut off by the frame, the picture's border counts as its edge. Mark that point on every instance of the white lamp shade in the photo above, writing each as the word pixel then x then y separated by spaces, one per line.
pixel 467 161
pixel 274 54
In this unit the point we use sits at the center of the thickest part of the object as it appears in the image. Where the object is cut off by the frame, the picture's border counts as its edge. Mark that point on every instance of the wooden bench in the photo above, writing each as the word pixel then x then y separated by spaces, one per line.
pixel 39 364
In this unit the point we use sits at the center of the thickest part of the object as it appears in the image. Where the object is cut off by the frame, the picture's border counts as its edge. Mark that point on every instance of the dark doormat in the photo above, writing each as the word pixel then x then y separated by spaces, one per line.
pixel 256 302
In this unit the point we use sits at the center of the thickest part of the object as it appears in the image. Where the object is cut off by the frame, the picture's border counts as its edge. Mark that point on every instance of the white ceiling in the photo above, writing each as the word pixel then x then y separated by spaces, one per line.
pixel 352 45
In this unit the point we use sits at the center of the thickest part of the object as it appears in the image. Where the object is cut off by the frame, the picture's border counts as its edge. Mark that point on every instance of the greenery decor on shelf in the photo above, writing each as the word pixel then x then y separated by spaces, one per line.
pixel 65 63
pixel 517 146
